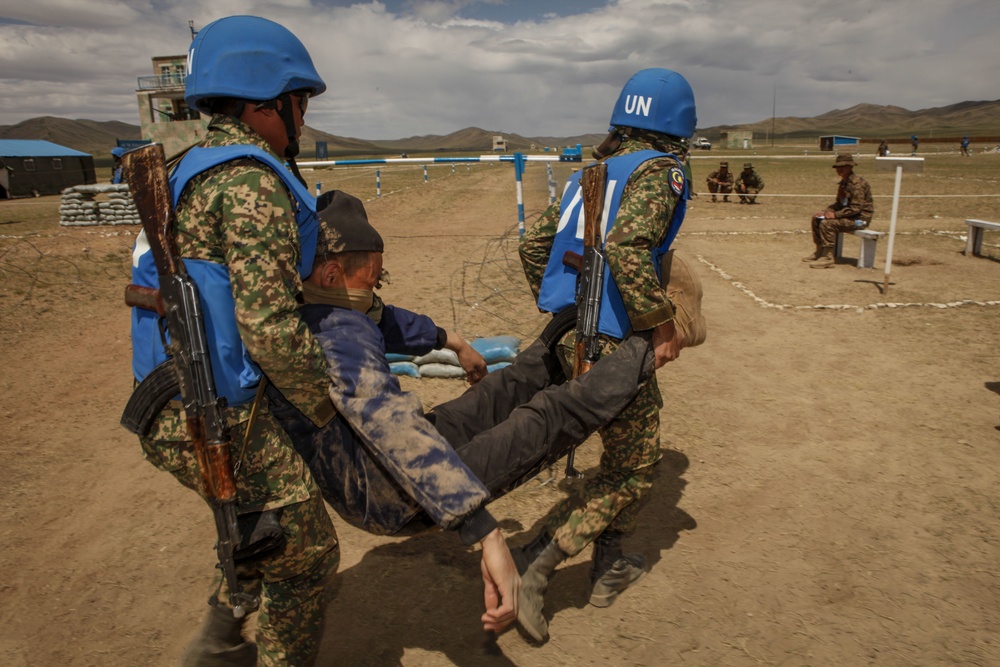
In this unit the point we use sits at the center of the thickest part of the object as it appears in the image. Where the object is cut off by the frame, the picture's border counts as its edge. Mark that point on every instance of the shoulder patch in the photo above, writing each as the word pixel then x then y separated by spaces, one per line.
pixel 677 180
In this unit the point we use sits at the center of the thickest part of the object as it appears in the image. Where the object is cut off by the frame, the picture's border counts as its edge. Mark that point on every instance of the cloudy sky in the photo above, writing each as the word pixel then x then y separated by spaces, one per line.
pixel 398 68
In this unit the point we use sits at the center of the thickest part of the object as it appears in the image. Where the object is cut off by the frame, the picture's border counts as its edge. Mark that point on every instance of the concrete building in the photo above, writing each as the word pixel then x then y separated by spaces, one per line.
pixel 737 139
pixel 163 115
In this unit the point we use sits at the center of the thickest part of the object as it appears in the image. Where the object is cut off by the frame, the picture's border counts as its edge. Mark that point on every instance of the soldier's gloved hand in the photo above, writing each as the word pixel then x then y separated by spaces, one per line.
pixel 501 581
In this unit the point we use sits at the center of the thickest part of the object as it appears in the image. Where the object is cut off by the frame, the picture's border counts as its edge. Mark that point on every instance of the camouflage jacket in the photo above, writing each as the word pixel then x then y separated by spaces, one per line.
pixel 854 199
pixel 379 462
pixel 721 178
pixel 241 215
pixel 751 179
pixel 643 219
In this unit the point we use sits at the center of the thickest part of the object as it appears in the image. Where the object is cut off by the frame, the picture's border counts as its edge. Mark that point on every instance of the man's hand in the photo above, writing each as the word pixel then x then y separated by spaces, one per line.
pixel 471 361
pixel 502 583
pixel 666 343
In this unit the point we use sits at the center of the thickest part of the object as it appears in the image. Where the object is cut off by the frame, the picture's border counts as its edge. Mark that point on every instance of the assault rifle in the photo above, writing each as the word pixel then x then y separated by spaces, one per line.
pixel 593 181
pixel 188 366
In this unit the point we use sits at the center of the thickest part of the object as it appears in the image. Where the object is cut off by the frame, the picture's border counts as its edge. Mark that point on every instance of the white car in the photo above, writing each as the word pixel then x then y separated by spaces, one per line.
pixel 702 143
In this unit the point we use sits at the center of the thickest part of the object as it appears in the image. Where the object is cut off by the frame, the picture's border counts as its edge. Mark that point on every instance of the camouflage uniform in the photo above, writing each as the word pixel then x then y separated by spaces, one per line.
pixel 854 202
pixel 749 183
pixel 720 181
pixel 239 214
pixel 610 500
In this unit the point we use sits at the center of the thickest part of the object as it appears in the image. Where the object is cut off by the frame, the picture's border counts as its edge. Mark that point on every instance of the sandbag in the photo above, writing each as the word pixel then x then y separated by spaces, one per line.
pixel 441 371
pixel 497 348
pixel 404 368
pixel 684 289
pixel 442 356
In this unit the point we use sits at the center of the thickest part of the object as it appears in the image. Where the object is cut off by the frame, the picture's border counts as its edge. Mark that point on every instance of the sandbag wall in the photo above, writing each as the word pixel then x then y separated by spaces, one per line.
pixel 498 351
pixel 81 205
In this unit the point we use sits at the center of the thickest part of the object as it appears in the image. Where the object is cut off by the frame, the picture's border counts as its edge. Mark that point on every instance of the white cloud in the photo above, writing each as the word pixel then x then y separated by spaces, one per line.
pixel 401 68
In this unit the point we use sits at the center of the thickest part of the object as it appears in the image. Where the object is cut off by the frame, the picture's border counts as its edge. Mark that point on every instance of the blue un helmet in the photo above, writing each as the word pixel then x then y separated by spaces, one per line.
pixel 117 151
pixel 659 100
pixel 247 58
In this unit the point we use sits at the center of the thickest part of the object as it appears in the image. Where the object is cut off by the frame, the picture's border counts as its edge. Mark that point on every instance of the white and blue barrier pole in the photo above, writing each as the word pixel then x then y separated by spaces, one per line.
pixel 552 184
pixel 519 159
pixel 518 173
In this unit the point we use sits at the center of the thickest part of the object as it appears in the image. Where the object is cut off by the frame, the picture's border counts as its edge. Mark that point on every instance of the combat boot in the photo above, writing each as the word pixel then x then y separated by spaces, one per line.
pixel 824 259
pixel 611 572
pixel 220 643
pixel 524 556
pixel 534 583
pixel 816 255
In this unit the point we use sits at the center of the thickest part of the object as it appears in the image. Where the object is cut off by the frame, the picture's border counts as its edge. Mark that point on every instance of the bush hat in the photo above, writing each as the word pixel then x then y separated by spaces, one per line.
pixel 844 160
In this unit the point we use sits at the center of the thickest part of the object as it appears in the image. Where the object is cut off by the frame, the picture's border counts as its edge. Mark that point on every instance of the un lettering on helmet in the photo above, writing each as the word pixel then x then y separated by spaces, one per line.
pixel 659 100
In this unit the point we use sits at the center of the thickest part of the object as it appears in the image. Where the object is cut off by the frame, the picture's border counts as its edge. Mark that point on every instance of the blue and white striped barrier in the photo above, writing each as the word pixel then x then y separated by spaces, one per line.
pixel 518 159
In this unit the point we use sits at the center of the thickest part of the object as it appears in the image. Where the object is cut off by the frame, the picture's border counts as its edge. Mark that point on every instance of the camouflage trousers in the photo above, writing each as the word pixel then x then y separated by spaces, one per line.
pixel 825 230
pixel 291 579
pixel 611 499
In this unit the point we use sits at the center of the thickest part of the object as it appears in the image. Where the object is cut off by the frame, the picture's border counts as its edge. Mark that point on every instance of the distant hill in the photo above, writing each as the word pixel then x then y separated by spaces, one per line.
pixel 873 121
pixel 476 139
pixel 868 121
pixel 89 136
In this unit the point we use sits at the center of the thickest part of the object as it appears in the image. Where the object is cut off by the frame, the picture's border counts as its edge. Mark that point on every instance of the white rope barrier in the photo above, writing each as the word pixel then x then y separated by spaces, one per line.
pixel 764 303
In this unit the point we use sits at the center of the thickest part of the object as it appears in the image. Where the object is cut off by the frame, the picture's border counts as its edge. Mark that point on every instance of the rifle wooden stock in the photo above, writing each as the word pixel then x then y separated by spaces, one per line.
pixel 148 298
pixel 177 300
pixel 593 182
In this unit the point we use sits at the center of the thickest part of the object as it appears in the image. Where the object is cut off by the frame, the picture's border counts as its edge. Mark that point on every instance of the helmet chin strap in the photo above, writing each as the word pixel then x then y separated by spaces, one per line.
pixel 287 116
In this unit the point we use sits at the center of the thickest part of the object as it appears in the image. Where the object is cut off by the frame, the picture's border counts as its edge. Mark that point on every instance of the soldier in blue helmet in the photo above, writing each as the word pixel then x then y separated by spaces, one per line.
pixel 116 174
pixel 246 229
pixel 648 190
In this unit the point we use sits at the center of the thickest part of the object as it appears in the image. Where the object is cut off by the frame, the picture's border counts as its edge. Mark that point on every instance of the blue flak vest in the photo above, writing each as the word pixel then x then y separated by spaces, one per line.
pixel 559 282
pixel 236 375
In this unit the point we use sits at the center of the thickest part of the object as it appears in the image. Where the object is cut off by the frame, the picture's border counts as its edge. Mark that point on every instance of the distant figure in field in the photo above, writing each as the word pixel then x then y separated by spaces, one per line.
pixel 721 181
pixel 914 144
pixel 883 148
pixel 748 184
pixel 117 175
pixel 853 210
pixel 966 151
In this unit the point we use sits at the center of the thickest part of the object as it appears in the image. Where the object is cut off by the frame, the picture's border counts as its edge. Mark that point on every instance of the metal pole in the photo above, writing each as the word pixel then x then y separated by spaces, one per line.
pixel 892 228
pixel 552 184
pixel 378 183
pixel 518 172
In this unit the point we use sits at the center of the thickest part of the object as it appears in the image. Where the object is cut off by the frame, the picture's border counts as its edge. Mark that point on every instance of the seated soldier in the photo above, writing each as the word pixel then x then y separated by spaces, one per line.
pixel 382 463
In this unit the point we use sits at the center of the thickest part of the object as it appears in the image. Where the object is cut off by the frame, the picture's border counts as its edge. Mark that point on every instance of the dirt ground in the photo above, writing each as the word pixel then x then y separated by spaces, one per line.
pixel 827 494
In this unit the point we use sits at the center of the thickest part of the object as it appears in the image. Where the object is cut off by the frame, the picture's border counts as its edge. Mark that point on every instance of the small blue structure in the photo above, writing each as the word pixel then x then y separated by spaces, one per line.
pixel 572 154
pixel 832 142
pixel 31 168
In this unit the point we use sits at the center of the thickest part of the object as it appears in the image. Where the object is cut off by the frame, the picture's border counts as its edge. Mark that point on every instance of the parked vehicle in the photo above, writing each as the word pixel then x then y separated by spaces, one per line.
pixel 702 143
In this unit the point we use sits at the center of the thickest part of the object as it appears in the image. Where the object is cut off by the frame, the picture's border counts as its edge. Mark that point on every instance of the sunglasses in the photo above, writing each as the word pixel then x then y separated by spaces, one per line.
pixel 303 101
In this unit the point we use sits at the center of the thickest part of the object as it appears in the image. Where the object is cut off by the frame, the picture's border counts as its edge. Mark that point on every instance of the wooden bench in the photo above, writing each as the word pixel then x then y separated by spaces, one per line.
pixel 974 243
pixel 869 242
